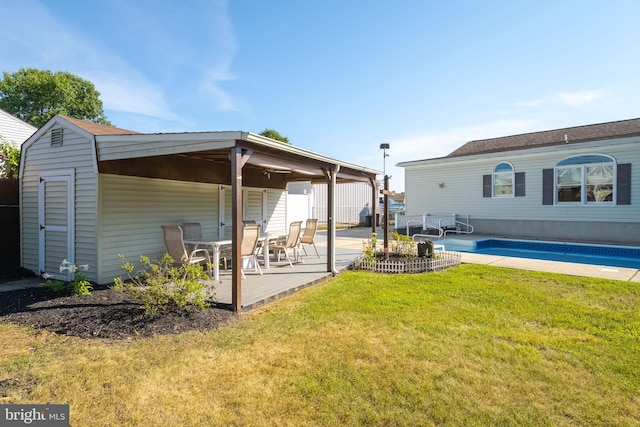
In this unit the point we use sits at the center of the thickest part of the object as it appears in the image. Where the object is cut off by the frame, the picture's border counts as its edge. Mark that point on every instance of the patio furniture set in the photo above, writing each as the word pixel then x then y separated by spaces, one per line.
pixel 186 244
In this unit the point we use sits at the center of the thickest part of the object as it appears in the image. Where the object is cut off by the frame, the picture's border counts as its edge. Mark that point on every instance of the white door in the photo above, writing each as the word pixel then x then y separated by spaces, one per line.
pixel 224 212
pixel 56 219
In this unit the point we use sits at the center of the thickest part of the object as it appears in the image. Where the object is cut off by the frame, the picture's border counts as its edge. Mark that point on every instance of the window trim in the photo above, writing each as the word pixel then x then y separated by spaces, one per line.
pixel 583 179
pixel 513 179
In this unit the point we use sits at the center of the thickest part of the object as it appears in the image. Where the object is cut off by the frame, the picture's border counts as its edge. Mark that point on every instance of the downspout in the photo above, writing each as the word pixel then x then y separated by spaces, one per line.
pixel 331 230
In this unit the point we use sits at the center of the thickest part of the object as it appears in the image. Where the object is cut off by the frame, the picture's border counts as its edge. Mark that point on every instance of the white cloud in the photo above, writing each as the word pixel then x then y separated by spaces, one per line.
pixel 52 45
pixel 223 51
pixel 581 98
pixel 571 99
pixel 438 144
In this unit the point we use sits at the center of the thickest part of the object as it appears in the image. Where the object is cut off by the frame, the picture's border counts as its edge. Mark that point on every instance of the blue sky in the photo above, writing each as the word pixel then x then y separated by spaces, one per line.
pixel 341 77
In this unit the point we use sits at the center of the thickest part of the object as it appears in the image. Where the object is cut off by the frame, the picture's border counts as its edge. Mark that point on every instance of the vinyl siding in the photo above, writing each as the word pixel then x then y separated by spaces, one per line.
pixel 277 220
pixel 14 129
pixel 461 192
pixel 353 202
pixel 75 154
pixel 132 210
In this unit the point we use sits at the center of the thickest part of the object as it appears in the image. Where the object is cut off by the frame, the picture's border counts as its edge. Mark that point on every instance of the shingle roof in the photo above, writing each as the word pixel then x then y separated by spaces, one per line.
pixel 572 135
pixel 98 129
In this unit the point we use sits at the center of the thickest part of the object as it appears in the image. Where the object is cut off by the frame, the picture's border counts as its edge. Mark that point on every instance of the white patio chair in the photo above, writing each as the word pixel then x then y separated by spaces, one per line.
pixel 291 242
pixel 174 243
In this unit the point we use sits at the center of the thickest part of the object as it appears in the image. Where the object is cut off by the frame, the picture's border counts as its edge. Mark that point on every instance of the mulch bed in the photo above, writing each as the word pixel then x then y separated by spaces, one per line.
pixel 106 313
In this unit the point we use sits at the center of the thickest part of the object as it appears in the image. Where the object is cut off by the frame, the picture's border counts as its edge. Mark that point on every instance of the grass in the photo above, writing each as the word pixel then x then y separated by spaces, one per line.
pixel 473 345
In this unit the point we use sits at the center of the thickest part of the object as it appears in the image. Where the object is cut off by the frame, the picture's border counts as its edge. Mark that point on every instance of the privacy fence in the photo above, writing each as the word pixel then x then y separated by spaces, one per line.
pixel 9 222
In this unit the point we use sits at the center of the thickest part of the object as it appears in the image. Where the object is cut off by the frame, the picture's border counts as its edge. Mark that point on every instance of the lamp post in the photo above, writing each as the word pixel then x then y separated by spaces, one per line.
pixel 385 192
pixel 384 148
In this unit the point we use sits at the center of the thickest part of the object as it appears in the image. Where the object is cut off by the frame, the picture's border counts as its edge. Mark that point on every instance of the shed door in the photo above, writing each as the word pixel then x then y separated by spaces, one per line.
pixel 55 216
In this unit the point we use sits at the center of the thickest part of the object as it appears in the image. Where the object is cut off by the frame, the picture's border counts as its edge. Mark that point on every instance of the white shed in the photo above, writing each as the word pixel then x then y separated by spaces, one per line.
pixel 572 184
pixel 89 192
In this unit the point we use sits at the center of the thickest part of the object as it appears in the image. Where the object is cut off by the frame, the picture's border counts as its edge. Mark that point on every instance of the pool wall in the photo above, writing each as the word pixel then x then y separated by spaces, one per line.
pixel 604 232
pixel 561 247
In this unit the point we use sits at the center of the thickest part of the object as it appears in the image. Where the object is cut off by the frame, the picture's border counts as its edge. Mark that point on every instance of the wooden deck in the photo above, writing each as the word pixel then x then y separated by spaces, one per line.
pixel 281 280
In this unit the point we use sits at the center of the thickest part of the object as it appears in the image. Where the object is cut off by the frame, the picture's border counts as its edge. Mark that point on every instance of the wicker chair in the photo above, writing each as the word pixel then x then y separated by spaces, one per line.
pixel 174 243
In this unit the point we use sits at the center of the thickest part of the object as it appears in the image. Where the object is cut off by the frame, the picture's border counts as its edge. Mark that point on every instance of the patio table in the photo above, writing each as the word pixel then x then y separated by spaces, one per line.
pixel 217 244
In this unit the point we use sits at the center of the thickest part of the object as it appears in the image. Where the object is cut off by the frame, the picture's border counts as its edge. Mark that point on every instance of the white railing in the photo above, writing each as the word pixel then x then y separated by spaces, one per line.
pixel 443 224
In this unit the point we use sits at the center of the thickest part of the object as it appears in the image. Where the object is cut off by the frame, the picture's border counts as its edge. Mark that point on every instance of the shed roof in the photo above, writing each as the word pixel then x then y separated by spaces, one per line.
pixel 571 135
pixel 97 128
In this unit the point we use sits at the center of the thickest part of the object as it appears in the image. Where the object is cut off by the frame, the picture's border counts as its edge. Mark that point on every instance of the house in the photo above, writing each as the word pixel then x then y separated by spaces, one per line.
pixel 574 184
pixel 13 129
pixel 89 192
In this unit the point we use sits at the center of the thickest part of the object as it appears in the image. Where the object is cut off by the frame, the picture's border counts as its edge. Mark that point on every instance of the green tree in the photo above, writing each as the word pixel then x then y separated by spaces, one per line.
pixel 270 133
pixel 36 95
pixel 9 158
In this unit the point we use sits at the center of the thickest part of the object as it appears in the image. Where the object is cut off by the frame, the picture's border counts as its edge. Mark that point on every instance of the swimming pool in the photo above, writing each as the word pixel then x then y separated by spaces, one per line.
pixel 614 256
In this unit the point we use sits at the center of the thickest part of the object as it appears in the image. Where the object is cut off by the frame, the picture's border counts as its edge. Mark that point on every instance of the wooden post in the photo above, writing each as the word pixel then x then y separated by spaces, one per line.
pixel 236 228
pixel 374 203
pixel 386 216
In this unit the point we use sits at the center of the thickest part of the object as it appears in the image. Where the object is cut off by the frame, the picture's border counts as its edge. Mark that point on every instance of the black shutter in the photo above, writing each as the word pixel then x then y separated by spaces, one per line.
pixel 623 182
pixel 519 184
pixel 547 186
pixel 486 186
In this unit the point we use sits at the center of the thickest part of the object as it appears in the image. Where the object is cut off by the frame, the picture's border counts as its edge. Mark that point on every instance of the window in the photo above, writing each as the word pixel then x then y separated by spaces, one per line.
pixel 585 179
pixel 503 180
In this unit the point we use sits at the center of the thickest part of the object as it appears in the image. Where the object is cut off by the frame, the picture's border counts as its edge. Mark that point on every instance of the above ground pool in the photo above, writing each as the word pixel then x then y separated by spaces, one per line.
pixel 606 255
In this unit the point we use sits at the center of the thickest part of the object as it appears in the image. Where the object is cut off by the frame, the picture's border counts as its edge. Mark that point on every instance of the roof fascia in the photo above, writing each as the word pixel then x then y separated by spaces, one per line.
pixel 292 149
pixel 522 152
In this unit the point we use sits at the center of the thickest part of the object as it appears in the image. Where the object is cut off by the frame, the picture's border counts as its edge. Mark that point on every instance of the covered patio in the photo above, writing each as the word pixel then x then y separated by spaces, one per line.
pixel 239 159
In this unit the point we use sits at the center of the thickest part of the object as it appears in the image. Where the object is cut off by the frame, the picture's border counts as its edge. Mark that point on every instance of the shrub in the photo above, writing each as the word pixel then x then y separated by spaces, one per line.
pixel 160 284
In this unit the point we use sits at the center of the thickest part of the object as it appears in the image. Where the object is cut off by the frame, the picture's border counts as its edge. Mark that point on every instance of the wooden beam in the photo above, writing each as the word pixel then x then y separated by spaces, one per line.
pixel 236 228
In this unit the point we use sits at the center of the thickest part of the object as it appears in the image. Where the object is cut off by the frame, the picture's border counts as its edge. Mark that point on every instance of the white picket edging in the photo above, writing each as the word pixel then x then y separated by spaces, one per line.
pixel 439 261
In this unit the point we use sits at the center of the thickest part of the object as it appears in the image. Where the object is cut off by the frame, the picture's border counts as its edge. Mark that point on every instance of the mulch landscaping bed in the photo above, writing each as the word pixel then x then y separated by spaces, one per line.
pixel 106 313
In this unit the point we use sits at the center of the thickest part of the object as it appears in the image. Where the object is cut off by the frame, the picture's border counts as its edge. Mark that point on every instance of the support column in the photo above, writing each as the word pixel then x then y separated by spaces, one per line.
pixel 239 157
pixel 331 224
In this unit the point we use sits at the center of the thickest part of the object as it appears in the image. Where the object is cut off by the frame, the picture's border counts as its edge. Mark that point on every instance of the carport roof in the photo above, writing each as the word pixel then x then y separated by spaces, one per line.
pixel 264 155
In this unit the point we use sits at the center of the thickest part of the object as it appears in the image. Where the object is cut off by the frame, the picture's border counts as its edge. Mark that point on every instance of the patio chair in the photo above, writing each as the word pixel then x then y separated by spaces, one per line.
pixel 174 243
pixel 309 235
pixel 249 246
pixel 291 242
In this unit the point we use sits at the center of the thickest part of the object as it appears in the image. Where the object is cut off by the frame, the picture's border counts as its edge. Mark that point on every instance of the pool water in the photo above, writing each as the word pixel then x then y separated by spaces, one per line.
pixel 607 255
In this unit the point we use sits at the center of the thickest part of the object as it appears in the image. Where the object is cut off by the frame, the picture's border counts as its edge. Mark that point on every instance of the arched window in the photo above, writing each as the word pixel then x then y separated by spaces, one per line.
pixel 503 180
pixel 585 179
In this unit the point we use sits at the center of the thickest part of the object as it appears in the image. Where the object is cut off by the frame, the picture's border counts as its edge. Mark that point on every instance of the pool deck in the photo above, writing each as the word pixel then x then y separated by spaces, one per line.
pixel 569 268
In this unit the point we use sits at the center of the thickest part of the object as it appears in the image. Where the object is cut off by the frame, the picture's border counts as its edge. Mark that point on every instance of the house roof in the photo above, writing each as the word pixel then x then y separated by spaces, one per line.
pixel 98 129
pixel 571 135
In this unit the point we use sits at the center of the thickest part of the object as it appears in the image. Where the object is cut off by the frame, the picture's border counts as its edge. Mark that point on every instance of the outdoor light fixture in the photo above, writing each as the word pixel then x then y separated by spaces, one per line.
pixel 384 148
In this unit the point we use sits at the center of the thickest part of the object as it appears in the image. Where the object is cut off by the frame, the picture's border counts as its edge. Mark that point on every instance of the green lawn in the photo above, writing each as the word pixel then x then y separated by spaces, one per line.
pixel 473 345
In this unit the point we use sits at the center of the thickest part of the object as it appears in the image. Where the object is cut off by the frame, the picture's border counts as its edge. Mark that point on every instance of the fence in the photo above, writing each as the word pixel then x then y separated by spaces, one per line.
pixel 9 222
pixel 439 261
